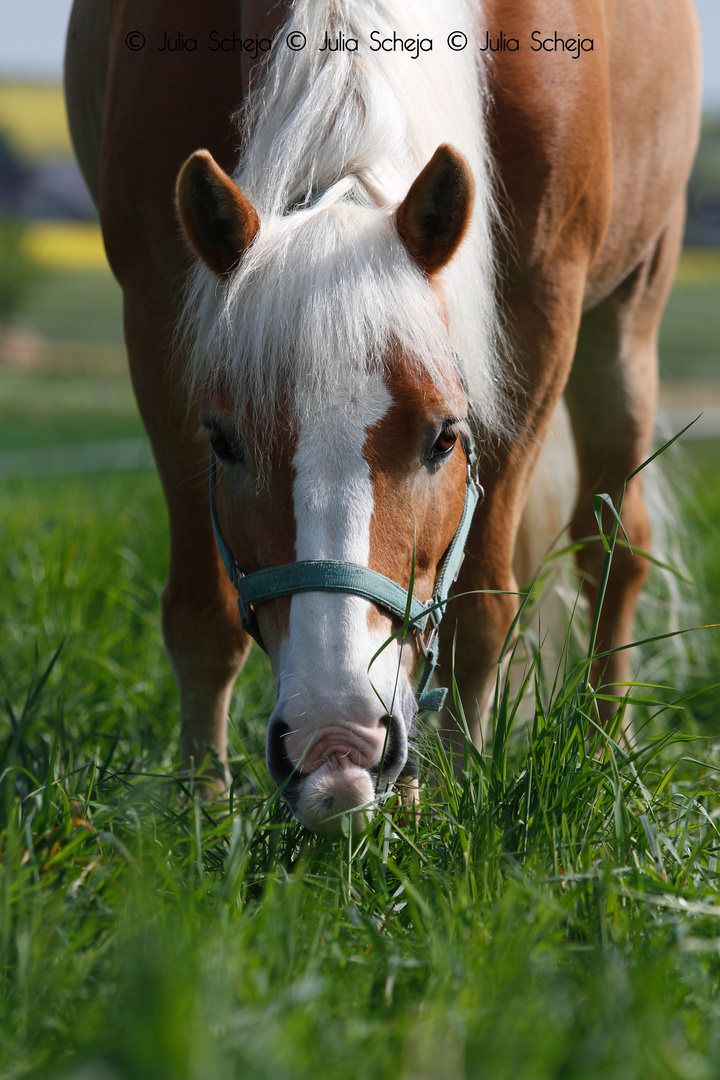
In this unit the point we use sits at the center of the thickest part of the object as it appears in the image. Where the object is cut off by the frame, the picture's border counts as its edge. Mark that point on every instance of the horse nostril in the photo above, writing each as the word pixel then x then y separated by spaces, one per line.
pixel 279 764
pixel 394 749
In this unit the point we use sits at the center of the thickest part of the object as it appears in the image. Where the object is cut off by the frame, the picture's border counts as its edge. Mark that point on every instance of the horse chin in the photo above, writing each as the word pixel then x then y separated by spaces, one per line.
pixel 336 800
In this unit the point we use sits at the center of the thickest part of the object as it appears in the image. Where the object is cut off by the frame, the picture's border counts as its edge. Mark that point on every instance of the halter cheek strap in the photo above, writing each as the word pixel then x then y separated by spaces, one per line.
pixel 329 575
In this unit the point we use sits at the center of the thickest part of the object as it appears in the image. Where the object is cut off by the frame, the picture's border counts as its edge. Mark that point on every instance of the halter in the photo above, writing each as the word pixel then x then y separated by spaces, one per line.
pixel 329 575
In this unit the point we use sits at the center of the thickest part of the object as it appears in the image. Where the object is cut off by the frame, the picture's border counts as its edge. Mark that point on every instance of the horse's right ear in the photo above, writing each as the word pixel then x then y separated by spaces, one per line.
pixel 217 219
pixel 434 215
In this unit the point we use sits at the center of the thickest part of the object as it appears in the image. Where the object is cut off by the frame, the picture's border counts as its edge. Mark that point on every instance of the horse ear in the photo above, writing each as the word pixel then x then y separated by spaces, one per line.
pixel 217 219
pixel 435 213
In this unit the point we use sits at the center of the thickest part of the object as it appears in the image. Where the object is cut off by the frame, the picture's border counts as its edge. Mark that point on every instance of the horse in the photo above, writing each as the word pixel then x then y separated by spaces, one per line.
pixel 366 247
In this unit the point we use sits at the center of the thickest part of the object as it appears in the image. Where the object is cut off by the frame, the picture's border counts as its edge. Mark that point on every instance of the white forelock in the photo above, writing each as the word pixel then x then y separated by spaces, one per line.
pixel 330 285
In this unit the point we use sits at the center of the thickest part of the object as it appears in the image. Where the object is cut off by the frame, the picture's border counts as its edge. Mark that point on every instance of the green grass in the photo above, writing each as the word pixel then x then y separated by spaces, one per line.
pixel 552 914
pixel 77 389
pixel 690 333
pixel 53 409
pixel 79 306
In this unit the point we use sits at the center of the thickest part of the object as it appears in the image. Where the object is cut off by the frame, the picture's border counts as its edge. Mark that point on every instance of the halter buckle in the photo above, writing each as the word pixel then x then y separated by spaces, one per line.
pixel 426 647
pixel 472 478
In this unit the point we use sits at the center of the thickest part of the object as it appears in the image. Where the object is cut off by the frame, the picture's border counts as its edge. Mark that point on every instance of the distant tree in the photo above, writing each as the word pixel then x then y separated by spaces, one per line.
pixel 18 270
pixel 703 221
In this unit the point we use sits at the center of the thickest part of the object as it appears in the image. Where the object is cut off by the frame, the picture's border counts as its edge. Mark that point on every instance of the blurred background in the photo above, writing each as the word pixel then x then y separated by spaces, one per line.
pixel 66 405
pixel 63 382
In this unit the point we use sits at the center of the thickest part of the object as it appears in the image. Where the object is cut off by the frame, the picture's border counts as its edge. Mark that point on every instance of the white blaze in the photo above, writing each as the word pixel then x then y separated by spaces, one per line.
pixel 324 661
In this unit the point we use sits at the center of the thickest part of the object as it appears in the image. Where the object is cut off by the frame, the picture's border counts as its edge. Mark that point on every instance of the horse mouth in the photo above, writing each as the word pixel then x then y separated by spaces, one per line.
pixel 337 794
pixel 336 799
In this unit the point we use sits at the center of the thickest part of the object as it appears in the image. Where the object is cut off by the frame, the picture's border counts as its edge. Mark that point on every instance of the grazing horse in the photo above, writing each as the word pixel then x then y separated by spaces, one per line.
pixel 442 218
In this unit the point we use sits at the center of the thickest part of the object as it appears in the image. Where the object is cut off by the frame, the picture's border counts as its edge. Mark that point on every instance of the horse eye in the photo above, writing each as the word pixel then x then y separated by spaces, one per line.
pixel 230 453
pixel 445 442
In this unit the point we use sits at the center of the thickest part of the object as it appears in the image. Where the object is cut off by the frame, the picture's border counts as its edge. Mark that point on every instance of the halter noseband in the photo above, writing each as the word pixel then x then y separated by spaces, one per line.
pixel 329 575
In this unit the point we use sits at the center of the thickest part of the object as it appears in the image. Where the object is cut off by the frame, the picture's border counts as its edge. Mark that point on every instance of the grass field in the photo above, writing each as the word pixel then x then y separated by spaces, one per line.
pixel 553 915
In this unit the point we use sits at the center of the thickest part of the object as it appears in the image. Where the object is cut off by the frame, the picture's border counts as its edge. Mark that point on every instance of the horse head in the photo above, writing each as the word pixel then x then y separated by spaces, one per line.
pixel 338 424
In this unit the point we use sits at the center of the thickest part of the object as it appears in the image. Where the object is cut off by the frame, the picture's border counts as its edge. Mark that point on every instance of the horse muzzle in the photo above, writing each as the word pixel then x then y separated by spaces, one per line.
pixel 332 778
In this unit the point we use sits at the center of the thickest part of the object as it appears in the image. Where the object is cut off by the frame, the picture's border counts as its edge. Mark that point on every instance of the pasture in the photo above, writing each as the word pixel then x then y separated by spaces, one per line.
pixel 551 914
pixel 554 913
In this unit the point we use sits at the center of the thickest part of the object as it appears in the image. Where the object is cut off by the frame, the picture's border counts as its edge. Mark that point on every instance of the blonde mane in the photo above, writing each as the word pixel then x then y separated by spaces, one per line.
pixel 331 144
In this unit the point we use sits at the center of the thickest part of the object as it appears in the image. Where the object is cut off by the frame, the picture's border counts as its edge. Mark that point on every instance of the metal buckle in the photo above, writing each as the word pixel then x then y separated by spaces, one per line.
pixel 472 478
pixel 427 646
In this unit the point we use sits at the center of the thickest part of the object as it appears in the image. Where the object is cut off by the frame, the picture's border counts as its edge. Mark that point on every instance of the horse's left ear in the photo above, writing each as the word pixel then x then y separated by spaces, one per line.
pixel 216 217
pixel 433 216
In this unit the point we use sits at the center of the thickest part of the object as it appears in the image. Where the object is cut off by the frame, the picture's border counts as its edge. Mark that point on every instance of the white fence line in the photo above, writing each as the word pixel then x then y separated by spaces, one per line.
pixel 108 455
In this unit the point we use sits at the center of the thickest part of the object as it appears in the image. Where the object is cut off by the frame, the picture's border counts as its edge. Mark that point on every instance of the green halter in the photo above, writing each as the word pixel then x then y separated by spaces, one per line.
pixel 328 575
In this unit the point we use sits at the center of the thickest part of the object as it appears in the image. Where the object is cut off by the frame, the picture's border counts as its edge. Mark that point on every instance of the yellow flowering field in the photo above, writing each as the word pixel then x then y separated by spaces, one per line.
pixel 33 117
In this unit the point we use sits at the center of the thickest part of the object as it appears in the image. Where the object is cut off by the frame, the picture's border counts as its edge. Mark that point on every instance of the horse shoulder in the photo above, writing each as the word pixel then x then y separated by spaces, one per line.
pixel 655 116
pixel 86 64
pixel 550 129
pixel 160 106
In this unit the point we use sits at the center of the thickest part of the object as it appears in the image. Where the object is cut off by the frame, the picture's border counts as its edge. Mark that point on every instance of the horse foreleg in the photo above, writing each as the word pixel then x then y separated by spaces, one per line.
pixel 206 651
pixel 612 396
pixel 477 621
pixel 547 315
pixel 200 619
